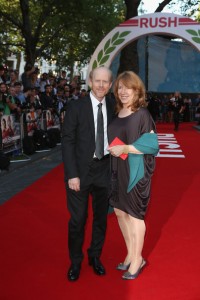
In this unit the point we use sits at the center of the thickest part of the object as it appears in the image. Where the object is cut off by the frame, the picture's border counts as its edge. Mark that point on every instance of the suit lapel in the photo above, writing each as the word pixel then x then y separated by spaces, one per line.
pixel 110 112
pixel 90 116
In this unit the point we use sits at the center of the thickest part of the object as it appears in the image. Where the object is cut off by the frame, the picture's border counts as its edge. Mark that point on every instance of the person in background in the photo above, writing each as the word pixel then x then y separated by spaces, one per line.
pixel 197 100
pixel 170 109
pixel 21 96
pixel 83 93
pixel 35 80
pixel 59 101
pixel 13 78
pixel 32 100
pixel 26 76
pixel 154 106
pixel 178 108
pixel 2 74
pixel 87 169
pixel 63 76
pixel 197 113
pixel 187 107
pixel 75 93
pixel 164 108
pixel 44 81
pixel 46 98
pixel 12 104
pixel 135 127
pixel 3 97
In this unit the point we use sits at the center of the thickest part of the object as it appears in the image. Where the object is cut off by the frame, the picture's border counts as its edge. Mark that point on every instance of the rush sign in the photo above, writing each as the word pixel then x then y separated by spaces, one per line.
pixel 158 22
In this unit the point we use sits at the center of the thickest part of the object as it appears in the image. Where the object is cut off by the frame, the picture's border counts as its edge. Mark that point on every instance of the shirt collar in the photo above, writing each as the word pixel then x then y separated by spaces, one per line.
pixel 95 102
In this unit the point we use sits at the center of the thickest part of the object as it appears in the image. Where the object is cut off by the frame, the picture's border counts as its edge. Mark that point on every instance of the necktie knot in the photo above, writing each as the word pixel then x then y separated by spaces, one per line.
pixel 100 105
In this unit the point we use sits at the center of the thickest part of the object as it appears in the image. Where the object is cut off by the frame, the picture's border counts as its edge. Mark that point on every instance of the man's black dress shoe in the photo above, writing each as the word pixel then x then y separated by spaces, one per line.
pixel 74 272
pixel 97 265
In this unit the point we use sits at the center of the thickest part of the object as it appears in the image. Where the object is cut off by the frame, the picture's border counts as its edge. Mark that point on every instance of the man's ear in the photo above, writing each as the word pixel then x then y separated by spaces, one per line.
pixel 90 83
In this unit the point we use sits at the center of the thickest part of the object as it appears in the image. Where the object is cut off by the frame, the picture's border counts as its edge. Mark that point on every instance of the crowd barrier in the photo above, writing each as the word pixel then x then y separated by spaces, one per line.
pixel 35 131
pixel 32 131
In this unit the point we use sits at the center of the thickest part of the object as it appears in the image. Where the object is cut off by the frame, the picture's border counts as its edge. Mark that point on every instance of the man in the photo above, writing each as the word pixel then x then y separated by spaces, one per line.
pixel 87 171
pixel 11 103
pixel 3 96
pixel 46 98
pixel 26 76
pixel 2 74
pixel 21 96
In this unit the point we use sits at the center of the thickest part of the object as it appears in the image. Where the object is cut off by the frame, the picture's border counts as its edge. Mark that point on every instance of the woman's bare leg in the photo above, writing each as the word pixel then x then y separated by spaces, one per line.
pixel 125 226
pixel 138 230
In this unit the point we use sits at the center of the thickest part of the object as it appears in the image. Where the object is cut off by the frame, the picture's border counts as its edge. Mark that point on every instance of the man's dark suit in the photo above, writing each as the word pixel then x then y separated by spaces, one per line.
pixel 78 147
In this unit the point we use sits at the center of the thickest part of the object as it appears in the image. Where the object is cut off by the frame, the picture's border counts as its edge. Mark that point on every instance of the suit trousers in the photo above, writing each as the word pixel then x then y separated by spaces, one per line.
pixel 95 184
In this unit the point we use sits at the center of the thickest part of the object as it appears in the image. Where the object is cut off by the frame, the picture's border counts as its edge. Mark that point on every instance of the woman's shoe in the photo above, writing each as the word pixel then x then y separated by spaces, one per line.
pixel 128 275
pixel 123 267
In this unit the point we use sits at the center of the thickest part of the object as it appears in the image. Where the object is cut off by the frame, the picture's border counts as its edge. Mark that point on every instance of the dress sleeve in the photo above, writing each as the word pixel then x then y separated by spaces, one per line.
pixel 147 122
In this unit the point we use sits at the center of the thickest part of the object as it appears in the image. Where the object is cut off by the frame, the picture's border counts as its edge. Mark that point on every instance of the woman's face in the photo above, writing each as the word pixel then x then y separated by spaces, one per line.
pixel 126 95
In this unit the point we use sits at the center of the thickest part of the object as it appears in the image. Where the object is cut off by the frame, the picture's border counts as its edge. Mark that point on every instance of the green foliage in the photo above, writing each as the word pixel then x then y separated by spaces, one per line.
pixel 61 30
pixel 189 8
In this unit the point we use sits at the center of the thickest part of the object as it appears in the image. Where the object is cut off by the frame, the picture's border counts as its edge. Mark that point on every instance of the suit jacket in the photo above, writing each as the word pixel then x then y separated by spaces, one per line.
pixel 78 136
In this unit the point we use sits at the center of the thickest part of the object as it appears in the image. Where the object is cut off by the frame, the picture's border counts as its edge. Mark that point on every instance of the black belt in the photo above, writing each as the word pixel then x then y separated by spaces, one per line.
pixel 104 157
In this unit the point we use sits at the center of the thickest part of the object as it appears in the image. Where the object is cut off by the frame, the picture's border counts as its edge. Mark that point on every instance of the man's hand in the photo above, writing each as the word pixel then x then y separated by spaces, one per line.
pixel 74 184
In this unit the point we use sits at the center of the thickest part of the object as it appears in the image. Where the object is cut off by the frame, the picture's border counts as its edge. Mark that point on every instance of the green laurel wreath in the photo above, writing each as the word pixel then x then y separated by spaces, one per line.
pixel 110 46
pixel 195 35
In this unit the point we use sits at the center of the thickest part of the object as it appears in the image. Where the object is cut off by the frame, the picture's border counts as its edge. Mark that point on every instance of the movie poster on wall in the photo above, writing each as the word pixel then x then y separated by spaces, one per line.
pixel 10 134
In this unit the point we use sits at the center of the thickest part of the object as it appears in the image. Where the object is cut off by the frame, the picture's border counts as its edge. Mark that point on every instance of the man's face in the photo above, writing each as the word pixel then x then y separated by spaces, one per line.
pixel 12 91
pixel 3 88
pixel 13 76
pixel 100 83
pixel 33 92
pixel 48 89
pixel 17 89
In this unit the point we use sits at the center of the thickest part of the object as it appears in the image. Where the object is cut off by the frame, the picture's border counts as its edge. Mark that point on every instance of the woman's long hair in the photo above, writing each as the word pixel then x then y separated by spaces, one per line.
pixel 131 81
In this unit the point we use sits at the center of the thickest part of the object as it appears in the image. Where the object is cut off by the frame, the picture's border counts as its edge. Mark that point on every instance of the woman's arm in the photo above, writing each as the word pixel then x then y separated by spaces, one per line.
pixel 119 149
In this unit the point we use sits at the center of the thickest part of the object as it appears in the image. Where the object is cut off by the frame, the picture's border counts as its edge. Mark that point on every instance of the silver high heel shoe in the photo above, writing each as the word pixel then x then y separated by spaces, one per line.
pixel 123 267
pixel 129 276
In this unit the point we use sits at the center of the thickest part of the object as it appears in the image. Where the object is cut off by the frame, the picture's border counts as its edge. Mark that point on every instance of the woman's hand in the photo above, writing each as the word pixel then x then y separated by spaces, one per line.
pixel 118 150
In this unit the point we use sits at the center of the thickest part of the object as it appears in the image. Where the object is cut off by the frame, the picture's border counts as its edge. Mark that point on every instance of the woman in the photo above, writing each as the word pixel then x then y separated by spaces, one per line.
pixel 134 126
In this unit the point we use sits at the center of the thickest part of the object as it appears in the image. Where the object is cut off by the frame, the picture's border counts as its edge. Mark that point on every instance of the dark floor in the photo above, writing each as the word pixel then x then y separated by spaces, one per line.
pixel 23 173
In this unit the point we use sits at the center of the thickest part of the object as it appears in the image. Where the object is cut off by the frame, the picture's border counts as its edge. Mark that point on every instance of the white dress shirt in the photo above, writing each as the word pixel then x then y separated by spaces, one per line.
pixel 95 107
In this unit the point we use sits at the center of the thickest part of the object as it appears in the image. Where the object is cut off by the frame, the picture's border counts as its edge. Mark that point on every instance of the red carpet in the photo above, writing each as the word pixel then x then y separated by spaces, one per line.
pixel 33 237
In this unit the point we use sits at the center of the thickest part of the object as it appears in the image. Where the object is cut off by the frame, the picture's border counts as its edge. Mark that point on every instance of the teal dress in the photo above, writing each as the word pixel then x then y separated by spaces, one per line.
pixel 134 173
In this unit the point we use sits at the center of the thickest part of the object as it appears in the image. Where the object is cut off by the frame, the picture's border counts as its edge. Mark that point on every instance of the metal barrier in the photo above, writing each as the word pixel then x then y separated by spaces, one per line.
pixel 15 130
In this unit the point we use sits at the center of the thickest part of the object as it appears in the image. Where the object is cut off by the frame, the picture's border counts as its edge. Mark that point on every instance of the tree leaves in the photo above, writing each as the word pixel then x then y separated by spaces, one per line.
pixel 60 30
